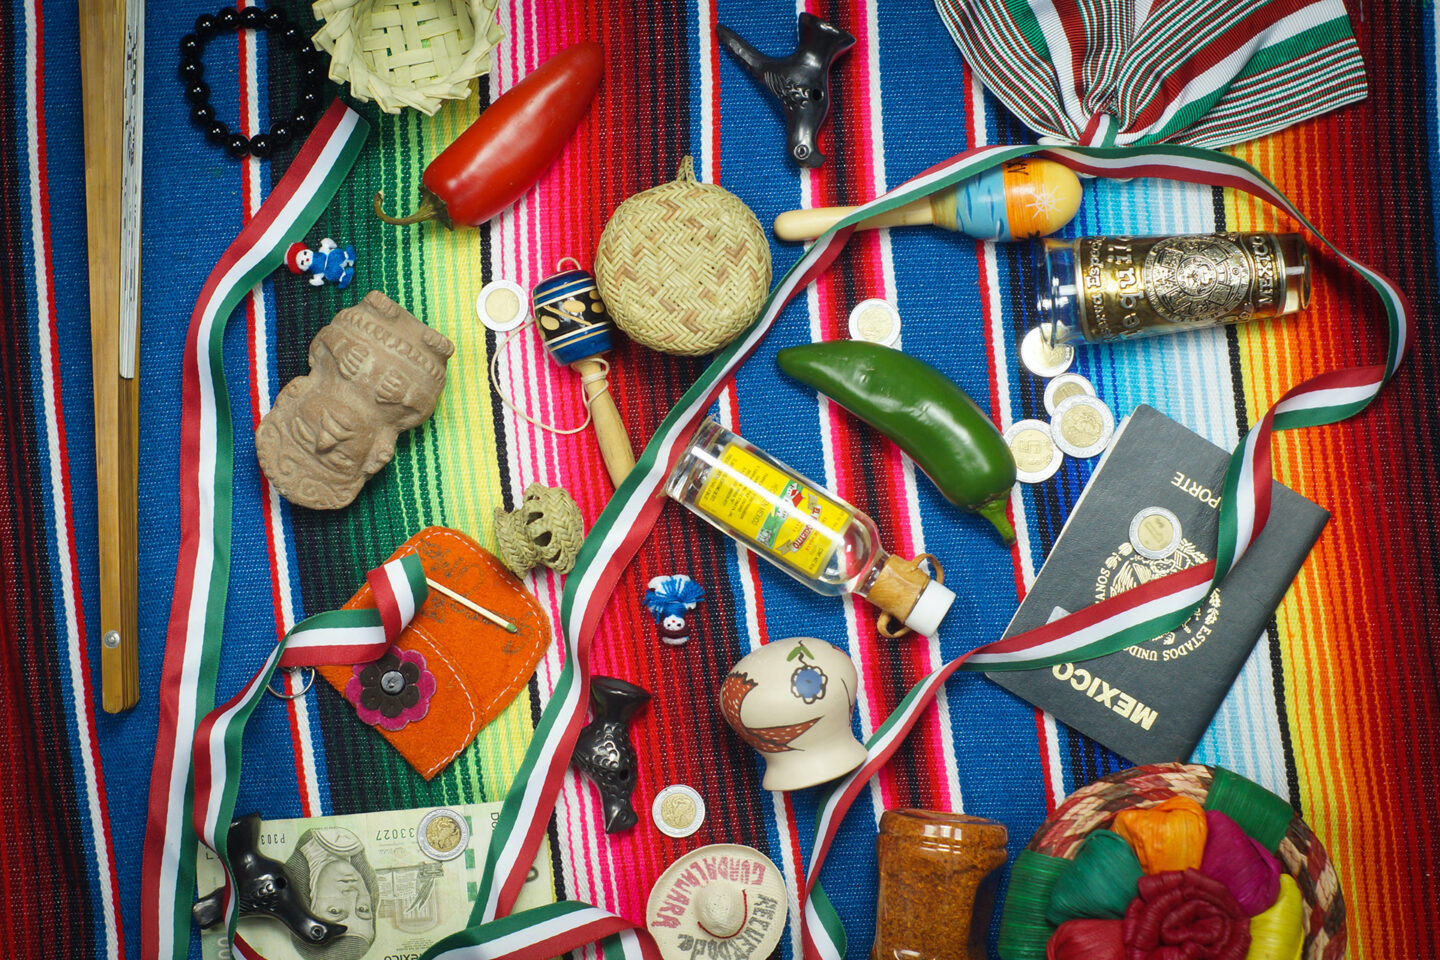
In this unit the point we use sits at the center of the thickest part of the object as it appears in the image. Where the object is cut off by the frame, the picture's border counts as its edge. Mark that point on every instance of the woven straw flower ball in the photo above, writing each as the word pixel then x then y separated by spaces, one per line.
pixel 683 267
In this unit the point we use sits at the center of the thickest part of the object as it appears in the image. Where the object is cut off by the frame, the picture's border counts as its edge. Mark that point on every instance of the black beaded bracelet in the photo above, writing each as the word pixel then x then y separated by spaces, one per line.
pixel 192 71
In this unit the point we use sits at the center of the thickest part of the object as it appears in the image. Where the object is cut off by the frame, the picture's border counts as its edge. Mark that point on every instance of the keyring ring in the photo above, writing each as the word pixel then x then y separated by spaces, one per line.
pixel 292 696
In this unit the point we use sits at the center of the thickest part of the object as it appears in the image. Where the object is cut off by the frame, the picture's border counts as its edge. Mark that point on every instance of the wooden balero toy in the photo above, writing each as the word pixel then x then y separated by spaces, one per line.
pixel 577 328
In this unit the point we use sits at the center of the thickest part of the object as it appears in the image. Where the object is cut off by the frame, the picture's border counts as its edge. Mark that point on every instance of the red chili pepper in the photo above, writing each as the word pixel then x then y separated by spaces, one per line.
pixel 511 144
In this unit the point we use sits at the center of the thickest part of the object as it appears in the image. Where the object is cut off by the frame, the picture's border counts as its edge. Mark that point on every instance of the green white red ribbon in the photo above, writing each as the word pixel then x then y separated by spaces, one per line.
pixel 359 636
pixel 1137 72
pixel 197 611
pixel 1132 617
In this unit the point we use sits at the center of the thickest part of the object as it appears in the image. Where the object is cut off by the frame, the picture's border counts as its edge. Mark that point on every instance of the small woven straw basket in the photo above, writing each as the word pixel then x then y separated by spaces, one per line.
pixel 1094 807
pixel 683 267
pixel 408 53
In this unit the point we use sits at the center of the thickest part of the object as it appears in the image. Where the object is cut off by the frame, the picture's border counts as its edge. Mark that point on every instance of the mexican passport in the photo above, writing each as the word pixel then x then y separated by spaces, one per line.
pixel 1151 508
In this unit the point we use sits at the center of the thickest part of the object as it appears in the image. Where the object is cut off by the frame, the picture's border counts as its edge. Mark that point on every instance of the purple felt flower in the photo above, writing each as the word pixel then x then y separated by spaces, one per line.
pixel 393 691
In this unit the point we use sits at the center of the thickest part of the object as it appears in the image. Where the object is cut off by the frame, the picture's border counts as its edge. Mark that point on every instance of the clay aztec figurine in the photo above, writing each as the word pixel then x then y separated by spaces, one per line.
pixel 375 371
pixel 801 81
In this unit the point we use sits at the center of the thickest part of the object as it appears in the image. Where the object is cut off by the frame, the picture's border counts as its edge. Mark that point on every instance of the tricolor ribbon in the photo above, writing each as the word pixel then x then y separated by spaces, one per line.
pixel 197 609
pixel 1132 617
pixel 360 636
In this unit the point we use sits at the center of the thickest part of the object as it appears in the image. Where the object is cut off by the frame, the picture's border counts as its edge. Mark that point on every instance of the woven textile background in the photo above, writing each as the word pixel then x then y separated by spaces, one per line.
pixel 1338 709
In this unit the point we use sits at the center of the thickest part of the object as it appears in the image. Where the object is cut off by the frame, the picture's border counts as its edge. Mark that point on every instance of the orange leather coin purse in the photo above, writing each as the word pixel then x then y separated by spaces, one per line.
pixel 478 667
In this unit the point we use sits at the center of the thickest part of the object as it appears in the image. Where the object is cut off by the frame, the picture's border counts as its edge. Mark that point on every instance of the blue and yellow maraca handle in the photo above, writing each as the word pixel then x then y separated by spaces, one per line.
pixel 1022 198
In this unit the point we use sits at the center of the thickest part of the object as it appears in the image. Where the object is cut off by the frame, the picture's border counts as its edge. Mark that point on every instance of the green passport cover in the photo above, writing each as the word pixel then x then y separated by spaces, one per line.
pixel 1153 702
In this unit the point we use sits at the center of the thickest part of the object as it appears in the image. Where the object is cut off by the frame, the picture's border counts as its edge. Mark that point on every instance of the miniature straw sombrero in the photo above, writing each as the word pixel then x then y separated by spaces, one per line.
pixel 724 900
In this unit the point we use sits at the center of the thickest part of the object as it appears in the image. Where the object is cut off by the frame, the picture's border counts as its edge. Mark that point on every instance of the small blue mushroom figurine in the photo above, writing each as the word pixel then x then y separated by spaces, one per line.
pixel 670 599
pixel 328 262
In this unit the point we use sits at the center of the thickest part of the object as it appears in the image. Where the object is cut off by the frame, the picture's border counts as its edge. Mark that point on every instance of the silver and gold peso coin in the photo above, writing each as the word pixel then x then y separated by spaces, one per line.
pixel 678 810
pixel 1155 533
pixel 1036 456
pixel 1082 426
pixel 875 320
pixel 1064 387
pixel 442 834
pixel 1042 358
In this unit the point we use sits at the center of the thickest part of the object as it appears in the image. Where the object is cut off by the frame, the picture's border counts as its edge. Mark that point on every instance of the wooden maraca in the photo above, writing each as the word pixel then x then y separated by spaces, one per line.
pixel 1026 197
pixel 576 329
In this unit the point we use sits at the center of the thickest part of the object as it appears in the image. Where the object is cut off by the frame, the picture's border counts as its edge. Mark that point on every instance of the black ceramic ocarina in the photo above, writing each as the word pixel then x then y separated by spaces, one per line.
pixel 801 81
pixel 603 751
pixel 263 888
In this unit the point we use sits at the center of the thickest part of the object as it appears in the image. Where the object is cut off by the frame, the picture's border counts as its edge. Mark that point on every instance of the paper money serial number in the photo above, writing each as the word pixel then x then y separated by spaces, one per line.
pixel 395 833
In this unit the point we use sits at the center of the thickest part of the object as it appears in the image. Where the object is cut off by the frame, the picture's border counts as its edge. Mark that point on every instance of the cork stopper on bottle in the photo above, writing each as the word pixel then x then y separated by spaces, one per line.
pixel 1295 267
pixel 906 593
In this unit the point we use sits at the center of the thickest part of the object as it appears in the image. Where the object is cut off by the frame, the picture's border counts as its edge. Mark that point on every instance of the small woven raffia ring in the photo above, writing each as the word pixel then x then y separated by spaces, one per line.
pixel 408 53
pixel 1093 807
pixel 683 267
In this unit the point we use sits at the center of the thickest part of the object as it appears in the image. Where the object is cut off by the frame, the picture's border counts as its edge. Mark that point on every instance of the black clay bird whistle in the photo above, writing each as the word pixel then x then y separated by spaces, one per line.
pixel 263 888
pixel 801 81
pixel 603 751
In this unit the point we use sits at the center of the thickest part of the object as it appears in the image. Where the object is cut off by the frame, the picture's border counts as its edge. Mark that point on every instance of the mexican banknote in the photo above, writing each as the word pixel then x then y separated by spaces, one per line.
pixel 398 880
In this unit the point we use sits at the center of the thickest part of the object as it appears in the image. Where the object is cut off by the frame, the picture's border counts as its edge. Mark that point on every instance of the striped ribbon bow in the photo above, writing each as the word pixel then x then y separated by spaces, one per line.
pixel 1205 73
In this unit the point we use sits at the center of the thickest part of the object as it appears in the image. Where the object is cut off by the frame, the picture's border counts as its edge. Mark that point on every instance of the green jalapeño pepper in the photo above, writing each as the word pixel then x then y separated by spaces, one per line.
pixel 923 411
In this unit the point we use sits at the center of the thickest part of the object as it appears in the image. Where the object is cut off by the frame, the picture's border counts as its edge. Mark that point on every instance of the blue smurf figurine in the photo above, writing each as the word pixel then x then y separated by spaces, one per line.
pixel 670 599
pixel 329 262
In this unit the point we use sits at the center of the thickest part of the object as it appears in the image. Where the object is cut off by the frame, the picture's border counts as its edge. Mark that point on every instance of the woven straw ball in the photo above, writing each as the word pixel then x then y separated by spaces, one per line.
pixel 683 267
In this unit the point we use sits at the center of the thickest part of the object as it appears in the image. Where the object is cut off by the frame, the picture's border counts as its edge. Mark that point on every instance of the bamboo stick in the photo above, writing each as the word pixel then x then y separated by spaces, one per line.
pixel 102 54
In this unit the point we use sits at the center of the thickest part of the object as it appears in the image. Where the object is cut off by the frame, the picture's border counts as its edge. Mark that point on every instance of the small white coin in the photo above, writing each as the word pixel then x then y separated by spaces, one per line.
pixel 442 834
pixel 1064 387
pixel 875 320
pixel 502 305
pixel 1082 426
pixel 1155 533
pixel 678 810
pixel 1042 359
pixel 1036 456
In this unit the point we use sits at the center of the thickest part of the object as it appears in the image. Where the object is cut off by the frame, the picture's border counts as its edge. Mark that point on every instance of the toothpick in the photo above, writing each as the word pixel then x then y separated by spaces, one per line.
pixel 490 615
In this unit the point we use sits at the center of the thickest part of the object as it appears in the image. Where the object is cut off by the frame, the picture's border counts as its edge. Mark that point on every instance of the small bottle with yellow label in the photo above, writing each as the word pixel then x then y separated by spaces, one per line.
pixel 803 529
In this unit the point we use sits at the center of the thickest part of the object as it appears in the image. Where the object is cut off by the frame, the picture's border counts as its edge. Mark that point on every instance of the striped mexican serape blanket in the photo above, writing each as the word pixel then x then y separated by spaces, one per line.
pixel 1338 710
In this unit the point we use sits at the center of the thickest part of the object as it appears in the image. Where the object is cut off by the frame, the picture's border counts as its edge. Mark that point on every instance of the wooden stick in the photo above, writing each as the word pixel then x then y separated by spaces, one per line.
pixel 464 601
pixel 102 56
pixel 605 419
pixel 811 222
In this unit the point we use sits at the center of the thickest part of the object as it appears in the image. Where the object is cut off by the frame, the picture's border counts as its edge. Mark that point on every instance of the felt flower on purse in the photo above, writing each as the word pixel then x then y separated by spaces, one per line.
pixel 393 691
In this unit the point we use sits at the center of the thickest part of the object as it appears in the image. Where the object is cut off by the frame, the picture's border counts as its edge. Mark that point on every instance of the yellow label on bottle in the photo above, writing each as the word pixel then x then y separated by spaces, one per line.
pixel 773 511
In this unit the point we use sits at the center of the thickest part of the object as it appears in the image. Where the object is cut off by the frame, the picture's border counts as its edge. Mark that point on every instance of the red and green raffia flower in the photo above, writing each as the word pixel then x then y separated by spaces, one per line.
pixel 1185 915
